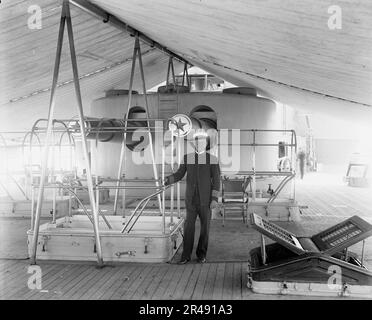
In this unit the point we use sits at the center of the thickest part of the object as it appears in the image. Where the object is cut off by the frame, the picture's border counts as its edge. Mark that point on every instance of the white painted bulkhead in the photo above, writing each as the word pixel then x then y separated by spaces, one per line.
pixel 233 111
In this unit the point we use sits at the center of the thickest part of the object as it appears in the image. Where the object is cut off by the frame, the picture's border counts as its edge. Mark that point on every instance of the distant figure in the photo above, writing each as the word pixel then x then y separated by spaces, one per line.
pixel 202 187
pixel 301 157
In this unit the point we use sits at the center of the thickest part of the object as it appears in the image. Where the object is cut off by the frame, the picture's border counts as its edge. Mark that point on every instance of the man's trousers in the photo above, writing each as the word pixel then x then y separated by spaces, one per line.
pixel 192 211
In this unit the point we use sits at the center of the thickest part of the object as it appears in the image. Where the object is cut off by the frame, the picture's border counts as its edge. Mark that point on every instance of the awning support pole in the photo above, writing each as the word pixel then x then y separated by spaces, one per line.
pixel 137 52
pixel 48 134
pixel 123 143
pixel 65 19
pixel 148 123
pixel 83 134
pixel 185 75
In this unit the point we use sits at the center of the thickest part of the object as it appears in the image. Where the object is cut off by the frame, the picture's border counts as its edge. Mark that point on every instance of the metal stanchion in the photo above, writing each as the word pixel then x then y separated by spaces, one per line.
pixel 254 167
pixel 52 177
pixel 32 207
pixel 83 133
pixel 123 143
pixel 48 133
pixel 65 20
pixel 172 187
pixel 148 124
pixel 162 178
pixel 97 193
pixel 178 183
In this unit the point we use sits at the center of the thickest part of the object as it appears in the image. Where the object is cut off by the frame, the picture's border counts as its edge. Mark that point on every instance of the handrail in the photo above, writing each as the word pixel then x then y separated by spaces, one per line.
pixel 282 184
pixel 70 190
pixel 146 200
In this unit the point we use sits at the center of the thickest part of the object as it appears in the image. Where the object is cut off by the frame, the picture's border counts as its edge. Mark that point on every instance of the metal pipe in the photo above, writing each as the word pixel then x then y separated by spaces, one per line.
pixel 172 187
pixel 6 190
pixel 49 127
pixel 263 249
pixel 139 204
pixel 102 14
pixel 173 74
pixel 123 143
pixel 105 219
pixel 56 186
pixel 279 189
pixel 69 205
pixel 163 178
pixel 108 129
pixel 294 169
pixel 258 173
pixel 148 113
pixel 82 128
pixel 255 144
pixel 32 207
pixel 167 81
pixel 52 176
pixel 185 74
pixel 139 214
pixel 18 186
pixel 254 168
pixel 80 203
pixel 97 192
pixel 178 183
pixel 121 180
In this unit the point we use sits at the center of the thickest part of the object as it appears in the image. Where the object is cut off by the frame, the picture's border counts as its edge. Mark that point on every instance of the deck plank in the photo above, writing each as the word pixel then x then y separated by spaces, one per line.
pixel 79 289
pixel 163 270
pixel 23 291
pixel 68 279
pixel 6 263
pixel 93 282
pixel 228 282
pixel 209 282
pixel 219 282
pixel 163 285
pixel 53 277
pixel 185 278
pixel 16 281
pixel 199 288
pixel 193 279
pixel 128 285
pixel 12 270
pixel 111 280
pixel 98 283
pixel 170 291
pixel 147 280
pixel 237 281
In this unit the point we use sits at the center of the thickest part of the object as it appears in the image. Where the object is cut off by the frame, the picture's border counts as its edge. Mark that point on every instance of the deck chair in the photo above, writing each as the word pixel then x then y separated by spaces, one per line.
pixel 234 196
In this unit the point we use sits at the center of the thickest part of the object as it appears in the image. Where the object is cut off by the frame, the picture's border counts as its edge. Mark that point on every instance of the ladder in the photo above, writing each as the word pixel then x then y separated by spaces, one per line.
pixel 168 105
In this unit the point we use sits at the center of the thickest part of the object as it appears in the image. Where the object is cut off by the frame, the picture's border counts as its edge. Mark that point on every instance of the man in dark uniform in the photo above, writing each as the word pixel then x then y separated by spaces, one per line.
pixel 202 187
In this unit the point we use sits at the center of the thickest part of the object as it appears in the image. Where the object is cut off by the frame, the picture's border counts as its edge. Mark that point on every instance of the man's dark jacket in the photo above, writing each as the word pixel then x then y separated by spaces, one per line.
pixel 203 172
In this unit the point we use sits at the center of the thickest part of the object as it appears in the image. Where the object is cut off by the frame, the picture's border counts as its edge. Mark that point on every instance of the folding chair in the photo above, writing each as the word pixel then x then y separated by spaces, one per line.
pixel 234 195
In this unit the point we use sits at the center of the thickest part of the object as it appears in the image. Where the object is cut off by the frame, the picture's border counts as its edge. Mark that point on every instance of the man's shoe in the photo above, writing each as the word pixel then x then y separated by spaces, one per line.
pixel 183 261
pixel 202 260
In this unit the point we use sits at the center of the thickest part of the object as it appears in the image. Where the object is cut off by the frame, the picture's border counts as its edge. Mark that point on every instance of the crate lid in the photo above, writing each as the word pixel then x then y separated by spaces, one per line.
pixel 277 234
pixel 342 235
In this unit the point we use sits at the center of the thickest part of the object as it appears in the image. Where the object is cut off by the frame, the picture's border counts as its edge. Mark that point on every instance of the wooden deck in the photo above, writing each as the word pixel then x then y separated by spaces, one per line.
pixel 210 281
pixel 220 278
